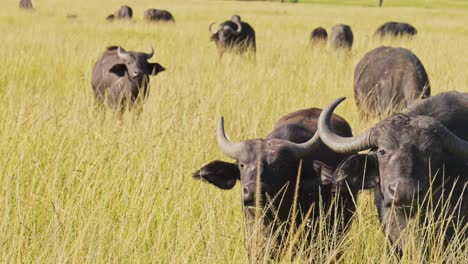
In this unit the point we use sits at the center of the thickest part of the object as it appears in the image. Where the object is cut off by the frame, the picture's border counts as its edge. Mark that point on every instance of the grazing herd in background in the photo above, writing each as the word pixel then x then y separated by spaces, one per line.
pixel 318 146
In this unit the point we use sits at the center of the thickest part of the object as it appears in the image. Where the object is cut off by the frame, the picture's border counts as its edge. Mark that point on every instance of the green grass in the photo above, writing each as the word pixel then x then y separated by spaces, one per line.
pixel 77 187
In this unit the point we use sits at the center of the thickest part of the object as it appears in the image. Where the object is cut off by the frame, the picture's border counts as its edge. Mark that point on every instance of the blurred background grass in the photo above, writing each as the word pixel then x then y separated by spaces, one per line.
pixel 79 187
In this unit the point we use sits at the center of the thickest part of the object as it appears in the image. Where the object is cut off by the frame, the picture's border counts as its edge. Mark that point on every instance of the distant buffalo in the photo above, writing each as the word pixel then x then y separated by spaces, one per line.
pixel 268 169
pixel 341 37
pixel 121 77
pixel 125 12
pixel 234 35
pixel 318 35
pixel 25 4
pixel 396 29
pixel 158 15
pixel 387 79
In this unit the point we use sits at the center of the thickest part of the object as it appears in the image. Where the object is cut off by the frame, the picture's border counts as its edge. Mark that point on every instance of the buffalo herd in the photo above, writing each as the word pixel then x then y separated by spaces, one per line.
pixel 311 163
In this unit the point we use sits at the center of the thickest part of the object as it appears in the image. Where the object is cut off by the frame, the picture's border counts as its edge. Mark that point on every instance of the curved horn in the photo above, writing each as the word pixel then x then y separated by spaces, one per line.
pixel 337 143
pixel 150 55
pixel 232 150
pixel 453 143
pixel 239 25
pixel 210 28
pixel 300 150
pixel 123 54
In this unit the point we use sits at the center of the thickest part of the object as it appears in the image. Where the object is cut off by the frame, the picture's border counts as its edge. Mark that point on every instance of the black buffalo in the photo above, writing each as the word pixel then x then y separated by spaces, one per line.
pixel 341 37
pixel 157 15
pixel 396 29
pixel 234 35
pixel 25 4
pixel 318 35
pixel 125 12
pixel 275 160
pixel 121 77
pixel 416 157
pixel 387 80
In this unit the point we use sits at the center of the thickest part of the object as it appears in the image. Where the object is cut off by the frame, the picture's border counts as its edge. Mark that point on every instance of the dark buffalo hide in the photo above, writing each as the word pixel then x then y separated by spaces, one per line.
pixel 121 77
pixel 418 160
pixel 318 35
pixel 396 29
pixel 341 37
pixel 156 15
pixel 386 80
pixel 25 4
pixel 234 35
pixel 125 12
pixel 275 161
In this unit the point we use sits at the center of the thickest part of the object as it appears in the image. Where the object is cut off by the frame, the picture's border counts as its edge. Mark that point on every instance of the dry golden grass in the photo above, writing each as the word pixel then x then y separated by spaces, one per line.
pixel 77 188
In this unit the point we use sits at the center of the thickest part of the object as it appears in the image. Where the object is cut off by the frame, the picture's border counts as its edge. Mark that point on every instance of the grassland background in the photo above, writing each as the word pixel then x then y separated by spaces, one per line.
pixel 75 187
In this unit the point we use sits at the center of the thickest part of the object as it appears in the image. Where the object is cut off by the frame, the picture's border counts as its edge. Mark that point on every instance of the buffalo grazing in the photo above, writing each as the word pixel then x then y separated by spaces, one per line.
pixel 387 79
pixel 125 12
pixel 396 29
pixel 318 35
pixel 341 37
pixel 157 15
pixel 25 4
pixel 233 35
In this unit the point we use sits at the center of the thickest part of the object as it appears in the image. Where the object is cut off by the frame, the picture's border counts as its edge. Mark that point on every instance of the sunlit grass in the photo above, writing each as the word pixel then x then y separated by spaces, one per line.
pixel 77 187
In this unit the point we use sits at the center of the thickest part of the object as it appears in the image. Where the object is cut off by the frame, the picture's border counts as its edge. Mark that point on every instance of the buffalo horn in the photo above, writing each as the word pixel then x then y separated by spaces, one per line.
pixel 335 142
pixel 232 150
pixel 150 55
pixel 123 54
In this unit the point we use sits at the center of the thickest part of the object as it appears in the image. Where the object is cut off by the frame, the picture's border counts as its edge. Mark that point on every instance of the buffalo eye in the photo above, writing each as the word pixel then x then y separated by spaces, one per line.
pixel 241 165
pixel 382 152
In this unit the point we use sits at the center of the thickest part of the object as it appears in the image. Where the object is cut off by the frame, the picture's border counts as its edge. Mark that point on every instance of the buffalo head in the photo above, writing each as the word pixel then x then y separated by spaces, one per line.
pixel 136 64
pixel 404 150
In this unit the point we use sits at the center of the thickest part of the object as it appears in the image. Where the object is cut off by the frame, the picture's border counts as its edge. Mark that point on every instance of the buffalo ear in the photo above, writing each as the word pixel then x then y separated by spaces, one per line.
pixel 156 68
pixel 324 171
pixel 219 173
pixel 360 171
pixel 118 69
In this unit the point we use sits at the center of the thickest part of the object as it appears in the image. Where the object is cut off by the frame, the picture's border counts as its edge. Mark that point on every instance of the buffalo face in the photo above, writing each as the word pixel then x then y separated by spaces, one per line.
pixel 405 154
pixel 136 64
pixel 266 165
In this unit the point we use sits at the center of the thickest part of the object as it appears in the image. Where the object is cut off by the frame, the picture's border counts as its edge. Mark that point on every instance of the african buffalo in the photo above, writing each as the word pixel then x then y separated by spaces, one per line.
pixel 318 35
pixel 233 35
pixel 119 76
pixel 275 161
pixel 341 37
pixel 389 79
pixel 25 4
pixel 417 157
pixel 395 29
pixel 125 12
pixel 157 15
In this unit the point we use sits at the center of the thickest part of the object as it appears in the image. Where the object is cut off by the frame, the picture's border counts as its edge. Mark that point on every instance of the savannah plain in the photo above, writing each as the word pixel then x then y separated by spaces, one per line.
pixel 78 186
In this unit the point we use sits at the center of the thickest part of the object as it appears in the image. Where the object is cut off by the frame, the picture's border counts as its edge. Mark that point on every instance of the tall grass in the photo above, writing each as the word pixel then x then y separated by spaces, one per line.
pixel 76 187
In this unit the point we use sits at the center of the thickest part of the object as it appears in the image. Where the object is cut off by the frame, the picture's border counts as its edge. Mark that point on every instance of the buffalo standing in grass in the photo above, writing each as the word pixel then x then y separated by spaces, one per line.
pixel 387 80
pixel 424 146
pixel 25 4
pixel 125 12
pixel 318 35
pixel 234 35
pixel 275 160
pixel 156 15
pixel 121 77
pixel 341 37
pixel 396 29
